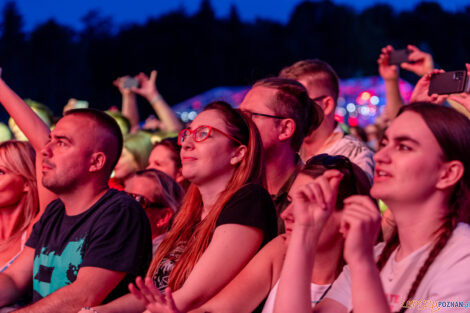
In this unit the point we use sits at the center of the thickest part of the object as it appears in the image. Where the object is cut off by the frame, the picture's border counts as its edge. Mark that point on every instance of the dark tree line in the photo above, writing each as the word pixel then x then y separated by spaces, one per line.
pixel 194 53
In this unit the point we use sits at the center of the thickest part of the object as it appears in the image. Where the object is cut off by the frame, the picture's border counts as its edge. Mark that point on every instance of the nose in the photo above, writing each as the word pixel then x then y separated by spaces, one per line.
pixel 382 155
pixel 46 150
pixel 287 215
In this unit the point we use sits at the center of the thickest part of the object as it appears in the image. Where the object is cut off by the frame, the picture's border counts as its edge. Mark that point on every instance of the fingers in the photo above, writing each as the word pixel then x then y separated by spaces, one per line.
pixel 169 299
pixel 153 76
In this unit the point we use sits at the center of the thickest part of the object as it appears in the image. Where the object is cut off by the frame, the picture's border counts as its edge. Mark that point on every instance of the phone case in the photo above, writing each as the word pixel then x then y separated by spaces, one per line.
pixel 398 57
pixel 447 83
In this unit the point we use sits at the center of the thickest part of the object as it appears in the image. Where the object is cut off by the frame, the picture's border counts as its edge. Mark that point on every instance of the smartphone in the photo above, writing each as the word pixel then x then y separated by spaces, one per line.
pixel 130 82
pixel 398 57
pixel 449 82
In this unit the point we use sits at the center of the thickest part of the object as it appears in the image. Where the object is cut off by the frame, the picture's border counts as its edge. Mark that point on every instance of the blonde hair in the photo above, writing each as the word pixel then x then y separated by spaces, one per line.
pixel 19 158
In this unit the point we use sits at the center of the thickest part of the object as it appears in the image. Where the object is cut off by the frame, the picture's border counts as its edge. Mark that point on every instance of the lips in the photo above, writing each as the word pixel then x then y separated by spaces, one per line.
pixel 46 165
pixel 188 159
pixel 381 174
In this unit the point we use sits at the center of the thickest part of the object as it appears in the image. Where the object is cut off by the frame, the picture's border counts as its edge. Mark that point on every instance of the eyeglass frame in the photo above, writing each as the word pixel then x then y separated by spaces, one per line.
pixel 193 132
pixel 250 114
pixel 145 202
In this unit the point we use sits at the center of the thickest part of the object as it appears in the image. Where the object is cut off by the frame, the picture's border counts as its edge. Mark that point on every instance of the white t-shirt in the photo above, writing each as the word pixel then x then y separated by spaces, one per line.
pixel 316 292
pixel 446 283
pixel 354 149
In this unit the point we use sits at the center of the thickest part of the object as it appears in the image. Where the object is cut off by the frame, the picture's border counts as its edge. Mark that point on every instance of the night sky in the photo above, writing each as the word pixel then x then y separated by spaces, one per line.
pixel 69 12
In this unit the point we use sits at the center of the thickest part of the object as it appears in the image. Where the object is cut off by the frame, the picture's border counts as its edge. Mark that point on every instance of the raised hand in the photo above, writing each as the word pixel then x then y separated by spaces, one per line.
pixel 386 70
pixel 119 83
pixel 147 87
pixel 313 203
pixel 152 298
pixel 464 97
pixel 360 226
pixel 421 63
pixel 420 92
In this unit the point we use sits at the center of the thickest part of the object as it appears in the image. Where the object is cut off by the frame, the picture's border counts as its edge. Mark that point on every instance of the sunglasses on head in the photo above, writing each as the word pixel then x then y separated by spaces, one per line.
pixel 143 201
pixel 335 162
pixel 201 133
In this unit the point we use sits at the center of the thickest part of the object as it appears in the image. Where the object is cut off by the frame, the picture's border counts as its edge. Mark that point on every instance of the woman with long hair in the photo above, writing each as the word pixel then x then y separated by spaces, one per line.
pixel 223 207
pixel 422 174
pixel 19 204
pixel 260 277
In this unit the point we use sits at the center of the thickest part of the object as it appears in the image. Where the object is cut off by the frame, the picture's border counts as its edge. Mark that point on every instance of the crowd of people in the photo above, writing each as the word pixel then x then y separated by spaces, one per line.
pixel 272 207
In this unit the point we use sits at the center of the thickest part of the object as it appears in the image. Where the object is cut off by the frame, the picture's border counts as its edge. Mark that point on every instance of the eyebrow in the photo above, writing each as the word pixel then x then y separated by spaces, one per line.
pixel 62 137
pixel 402 138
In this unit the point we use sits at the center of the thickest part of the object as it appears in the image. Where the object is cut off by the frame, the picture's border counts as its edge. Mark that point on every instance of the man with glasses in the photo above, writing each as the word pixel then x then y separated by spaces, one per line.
pixel 322 85
pixel 284 115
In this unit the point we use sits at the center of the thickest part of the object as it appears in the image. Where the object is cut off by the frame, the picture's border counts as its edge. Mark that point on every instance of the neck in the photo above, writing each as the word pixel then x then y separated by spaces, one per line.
pixel 210 191
pixel 315 142
pixel 10 218
pixel 417 223
pixel 83 197
pixel 327 262
pixel 279 166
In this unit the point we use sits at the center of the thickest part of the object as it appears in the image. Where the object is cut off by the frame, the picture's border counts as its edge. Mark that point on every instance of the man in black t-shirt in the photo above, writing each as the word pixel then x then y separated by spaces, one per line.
pixel 92 241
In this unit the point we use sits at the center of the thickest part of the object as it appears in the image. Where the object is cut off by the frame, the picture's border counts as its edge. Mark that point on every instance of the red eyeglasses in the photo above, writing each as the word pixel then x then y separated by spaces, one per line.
pixel 201 133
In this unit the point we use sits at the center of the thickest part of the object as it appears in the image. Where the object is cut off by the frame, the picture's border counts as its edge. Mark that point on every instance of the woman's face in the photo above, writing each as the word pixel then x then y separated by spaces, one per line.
pixel 161 159
pixel 409 162
pixel 126 165
pixel 12 187
pixel 330 231
pixel 210 159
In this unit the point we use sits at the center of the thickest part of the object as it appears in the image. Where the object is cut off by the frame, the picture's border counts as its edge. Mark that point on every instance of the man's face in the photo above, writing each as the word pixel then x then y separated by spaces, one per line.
pixel 67 155
pixel 256 101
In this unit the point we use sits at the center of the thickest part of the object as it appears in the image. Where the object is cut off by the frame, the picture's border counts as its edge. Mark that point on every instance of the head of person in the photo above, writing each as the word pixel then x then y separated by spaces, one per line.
pixel 222 147
pixel 320 80
pixel 159 194
pixel 282 111
pixel 84 147
pixel 121 120
pixel 165 157
pixel 40 109
pixel 354 182
pixel 425 149
pixel 18 188
pixel 134 156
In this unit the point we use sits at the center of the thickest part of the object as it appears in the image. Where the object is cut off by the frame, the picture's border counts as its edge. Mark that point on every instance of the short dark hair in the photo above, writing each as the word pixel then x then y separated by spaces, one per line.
pixel 324 75
pixel 110 141
pixel 292 101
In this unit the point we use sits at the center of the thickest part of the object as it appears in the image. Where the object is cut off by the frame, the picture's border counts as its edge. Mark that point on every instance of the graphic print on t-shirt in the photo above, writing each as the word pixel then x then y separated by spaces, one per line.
pixel 52 271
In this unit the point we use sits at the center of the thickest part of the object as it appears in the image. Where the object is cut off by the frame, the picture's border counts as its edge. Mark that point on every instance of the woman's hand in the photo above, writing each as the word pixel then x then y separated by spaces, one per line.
pixel 420 63
pixel 152 298
pixel 360 226
pixel 313 203
pixel 386 70
pixel 119 83
pixel 147 87
pixel 420 92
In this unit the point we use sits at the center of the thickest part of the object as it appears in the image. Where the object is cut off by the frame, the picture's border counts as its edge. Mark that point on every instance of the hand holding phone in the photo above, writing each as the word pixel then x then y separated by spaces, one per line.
pixel 398 57
pixel 130 82
pixel 448 83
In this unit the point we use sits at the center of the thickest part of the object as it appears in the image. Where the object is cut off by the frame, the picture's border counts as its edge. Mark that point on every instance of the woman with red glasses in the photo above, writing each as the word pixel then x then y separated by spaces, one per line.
pixel 226 216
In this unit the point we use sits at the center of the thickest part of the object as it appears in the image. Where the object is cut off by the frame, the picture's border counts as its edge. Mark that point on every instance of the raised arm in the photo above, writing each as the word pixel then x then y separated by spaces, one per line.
pixel 27 120
pixel 149 91
pixel 34 129
pixel 313 204
pixel 129 103
pixel 421 63
pixel 390 75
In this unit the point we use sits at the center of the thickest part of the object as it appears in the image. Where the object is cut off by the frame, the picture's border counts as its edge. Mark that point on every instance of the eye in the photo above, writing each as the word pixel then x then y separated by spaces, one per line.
pixel 403 147
pixel 382 143
pixel 2 172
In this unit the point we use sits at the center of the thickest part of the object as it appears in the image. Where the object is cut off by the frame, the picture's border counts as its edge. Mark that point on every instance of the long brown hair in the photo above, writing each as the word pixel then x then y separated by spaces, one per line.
pixel 451 129
pixel 187 226
pixel 19 158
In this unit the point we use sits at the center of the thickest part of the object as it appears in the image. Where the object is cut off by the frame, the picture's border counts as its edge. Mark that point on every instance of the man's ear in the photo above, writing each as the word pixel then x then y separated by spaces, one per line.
pixel 328 105
pixel 286 129
pixel 450 173
pixel 165 216
pixel 97 161
pixel 238 154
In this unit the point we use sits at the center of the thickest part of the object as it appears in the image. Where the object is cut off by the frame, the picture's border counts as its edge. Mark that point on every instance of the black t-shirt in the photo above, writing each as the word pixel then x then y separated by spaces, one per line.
pixel 251 206
pixel 114 234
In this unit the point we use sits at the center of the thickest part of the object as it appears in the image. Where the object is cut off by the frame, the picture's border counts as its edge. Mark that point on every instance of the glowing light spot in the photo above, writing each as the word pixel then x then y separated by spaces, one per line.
pixel 192 115
pixel 341 111
pixel 374 100
pixel 365 96
pixel 351 107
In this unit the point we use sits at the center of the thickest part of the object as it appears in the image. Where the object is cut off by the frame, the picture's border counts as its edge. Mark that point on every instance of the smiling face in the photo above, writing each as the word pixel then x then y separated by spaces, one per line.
pixel 409 163
pixel 67 155
pixel 210 159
